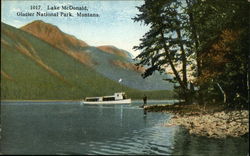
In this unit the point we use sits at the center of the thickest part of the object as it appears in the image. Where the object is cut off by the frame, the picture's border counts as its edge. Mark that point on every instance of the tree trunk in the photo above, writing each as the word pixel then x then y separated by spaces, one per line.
pixel 196 42
pixel 184 60
pixel 172 64
pixel 223 92
pixel 183 83
pixel 184 68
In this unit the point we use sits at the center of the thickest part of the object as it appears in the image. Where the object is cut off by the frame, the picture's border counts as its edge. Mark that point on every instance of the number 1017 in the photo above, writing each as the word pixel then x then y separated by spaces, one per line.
pixel 35 7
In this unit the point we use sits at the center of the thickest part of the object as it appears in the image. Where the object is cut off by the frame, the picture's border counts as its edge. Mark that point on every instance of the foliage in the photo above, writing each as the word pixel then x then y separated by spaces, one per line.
pixel 223 48
pixel 210 35
pixel 166 43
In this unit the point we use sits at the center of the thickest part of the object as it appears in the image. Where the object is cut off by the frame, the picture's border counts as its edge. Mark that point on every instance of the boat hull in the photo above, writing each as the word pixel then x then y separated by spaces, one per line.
pixel 125 101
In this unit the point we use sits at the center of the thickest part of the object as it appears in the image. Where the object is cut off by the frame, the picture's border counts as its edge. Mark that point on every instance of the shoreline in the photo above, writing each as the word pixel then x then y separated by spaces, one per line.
pixel 211 123
pixel 39 100
pixel 78 100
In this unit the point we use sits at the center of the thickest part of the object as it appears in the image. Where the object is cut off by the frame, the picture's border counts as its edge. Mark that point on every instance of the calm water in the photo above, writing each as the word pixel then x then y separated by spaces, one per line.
pixel 70 128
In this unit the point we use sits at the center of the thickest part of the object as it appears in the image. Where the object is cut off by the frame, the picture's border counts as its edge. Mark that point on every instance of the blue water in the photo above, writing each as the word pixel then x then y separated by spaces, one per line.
pixel 60 128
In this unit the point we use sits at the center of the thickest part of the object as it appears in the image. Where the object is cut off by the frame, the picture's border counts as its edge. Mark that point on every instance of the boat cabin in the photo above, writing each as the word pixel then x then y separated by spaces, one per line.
pixel 115 97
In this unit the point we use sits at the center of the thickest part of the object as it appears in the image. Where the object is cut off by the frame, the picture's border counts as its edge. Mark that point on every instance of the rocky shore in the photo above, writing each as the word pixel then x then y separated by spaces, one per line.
pixel 219 124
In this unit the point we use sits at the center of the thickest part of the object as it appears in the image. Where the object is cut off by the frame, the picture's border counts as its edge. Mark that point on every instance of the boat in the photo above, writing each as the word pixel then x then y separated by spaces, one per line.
pixel 117 98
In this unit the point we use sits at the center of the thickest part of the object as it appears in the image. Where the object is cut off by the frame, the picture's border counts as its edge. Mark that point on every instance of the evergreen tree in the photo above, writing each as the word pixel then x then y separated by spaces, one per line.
pixel 166 43
pixel 213 32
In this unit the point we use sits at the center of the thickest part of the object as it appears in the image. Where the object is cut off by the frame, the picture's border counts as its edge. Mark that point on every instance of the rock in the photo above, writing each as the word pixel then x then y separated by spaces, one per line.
pixel 217 125
pixel 245 120
pixel 168 125
pixel 233 123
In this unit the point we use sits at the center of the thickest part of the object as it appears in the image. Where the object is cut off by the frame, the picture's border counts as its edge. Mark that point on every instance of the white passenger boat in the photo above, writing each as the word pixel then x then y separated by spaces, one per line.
pixel 117 98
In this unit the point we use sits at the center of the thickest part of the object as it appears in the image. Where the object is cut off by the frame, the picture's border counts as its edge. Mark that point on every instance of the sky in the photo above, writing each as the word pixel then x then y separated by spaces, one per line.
pixel 114 25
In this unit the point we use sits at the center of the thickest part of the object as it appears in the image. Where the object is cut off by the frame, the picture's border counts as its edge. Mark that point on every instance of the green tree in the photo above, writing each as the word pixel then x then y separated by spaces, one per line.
pixel 214 33
pixel 222 28
pixel 166 43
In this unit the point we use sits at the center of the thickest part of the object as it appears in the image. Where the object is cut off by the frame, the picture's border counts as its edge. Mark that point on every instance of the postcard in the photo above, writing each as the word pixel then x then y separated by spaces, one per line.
pixel 122 77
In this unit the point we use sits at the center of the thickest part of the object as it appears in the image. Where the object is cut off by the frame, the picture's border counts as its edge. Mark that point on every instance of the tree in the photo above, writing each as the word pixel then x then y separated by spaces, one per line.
pixel 221 29
pixel 166 43
pixel 207 31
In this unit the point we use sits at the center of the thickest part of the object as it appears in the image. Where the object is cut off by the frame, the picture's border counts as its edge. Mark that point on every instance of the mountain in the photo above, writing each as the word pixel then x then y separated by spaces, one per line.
pixel 114 50
pixel 54 36
pixel 110 61
pixel 32 68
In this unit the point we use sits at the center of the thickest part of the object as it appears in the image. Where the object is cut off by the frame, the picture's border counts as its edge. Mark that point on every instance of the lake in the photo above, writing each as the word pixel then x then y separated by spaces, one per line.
pixel 61 128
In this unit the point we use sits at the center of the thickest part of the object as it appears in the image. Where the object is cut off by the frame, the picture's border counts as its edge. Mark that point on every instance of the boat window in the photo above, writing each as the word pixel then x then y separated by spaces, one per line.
pixel 108 98
pixel 94 99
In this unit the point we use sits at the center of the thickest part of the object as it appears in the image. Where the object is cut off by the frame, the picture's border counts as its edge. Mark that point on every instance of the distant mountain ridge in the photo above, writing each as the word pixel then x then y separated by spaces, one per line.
pixel 111 62
pixel 52 34
pixel 55 37
pixel 108 60
pixel 68 43
pixel 113 50
pixel 32 68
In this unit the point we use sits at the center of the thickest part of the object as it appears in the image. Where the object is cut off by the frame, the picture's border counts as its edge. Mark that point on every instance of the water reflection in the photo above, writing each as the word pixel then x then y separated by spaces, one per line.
pixel 185 144
pixel 74 129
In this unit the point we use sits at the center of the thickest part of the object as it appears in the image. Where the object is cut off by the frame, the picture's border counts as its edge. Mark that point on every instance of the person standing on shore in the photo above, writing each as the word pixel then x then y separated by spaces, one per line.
pixel 145 100
pixel 144 103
